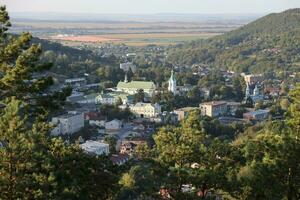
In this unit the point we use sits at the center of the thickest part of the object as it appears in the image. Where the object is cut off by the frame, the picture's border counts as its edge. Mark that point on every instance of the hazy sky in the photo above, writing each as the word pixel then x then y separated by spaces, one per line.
pixel 150 6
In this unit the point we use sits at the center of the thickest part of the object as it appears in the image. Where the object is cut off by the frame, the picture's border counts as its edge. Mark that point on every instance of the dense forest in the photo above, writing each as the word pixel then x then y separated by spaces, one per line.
pixel 271 43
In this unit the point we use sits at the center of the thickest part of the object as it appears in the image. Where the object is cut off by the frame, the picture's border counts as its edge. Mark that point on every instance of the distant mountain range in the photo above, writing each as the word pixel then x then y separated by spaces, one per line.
pixel 271 43
pixel 160 17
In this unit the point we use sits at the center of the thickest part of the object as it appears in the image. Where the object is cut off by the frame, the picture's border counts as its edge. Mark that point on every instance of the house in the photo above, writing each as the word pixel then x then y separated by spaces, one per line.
pixel 273 91
pixel 182 113
pixel 119 159
pixel 145 110
pixel 113 125
pixel 83 99
pixel 105 99
pixel 75 82
pixel 68 123
pixel 113 97
pixel 213 108
pixel 133 87
pixel 257 115
pixel 95 147
pixel 128 146
pixel 95 119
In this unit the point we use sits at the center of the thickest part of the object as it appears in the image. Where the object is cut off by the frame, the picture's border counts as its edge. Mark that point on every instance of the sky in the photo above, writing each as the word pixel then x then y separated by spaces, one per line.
pixel 150 6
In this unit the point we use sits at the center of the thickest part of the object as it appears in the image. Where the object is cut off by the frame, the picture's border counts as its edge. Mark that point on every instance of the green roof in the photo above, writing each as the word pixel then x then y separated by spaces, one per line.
pixel 146 85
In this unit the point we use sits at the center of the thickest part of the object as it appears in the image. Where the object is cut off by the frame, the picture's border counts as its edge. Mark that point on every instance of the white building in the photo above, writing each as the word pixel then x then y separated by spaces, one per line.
pixel 172 84
pixel 94 147
pixel 113 125
pixel 68 123
pixel 145 110
pixel 105 99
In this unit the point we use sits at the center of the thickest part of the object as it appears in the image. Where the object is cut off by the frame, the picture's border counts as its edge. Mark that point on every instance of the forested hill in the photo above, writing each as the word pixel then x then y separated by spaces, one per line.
pixel 271 43
pixel 70 62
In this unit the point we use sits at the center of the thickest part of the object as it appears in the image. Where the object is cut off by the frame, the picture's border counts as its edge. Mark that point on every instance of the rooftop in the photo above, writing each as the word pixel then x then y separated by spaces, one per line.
pixel 257 112
pixel 214 103
pixel 137 85
pixel 93 146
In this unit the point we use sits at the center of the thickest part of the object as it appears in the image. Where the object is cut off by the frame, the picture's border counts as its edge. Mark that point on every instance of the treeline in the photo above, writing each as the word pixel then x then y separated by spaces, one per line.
pixel 269 44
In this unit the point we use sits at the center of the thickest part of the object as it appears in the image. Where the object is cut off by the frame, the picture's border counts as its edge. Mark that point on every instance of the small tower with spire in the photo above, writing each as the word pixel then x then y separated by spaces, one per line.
pixel 172 83
pixel 247 93
pixel 256 91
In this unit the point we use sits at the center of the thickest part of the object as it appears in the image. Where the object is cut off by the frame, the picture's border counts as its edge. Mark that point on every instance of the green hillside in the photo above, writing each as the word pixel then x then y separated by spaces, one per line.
pixel 271 43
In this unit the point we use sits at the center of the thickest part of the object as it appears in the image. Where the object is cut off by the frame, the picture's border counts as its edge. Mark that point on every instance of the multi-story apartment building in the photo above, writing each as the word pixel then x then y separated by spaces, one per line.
pixel 68 123
pixel 213 108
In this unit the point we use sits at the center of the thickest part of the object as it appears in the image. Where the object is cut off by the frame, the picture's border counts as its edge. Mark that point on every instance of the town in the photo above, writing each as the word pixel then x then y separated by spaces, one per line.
pixel 163 101
pixel 127 114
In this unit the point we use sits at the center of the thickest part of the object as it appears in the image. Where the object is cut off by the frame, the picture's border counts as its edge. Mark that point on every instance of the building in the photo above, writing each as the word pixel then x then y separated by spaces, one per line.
pixel 213 108
pixel 254 94
pixel 172 85
pixel 253 79
pixel 75 82
pixel 184 89
pixel 145 110
pixel 133 87
pixel 80 98
pixel 68 123
pixel 96 148
pixel 105 99
pixel 182 113
pixel 128 147
pixel 113 97
pixel 257 115
pixel 113 125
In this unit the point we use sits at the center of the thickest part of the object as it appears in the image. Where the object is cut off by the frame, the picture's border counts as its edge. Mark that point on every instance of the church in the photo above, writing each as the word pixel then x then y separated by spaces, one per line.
pixel 254 95
pixel 172 85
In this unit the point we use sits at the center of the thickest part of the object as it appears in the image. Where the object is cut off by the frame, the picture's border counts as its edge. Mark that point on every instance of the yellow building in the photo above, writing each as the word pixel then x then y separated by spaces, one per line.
pixel 145 110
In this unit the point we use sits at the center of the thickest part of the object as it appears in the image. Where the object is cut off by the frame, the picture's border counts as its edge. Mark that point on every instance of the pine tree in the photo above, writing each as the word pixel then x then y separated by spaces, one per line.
pixel 34 165
pixel 22 75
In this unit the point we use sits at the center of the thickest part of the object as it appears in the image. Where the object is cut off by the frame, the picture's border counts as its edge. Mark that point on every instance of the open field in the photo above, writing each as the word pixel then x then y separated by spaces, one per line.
pixel 133 39
pixel 132 33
